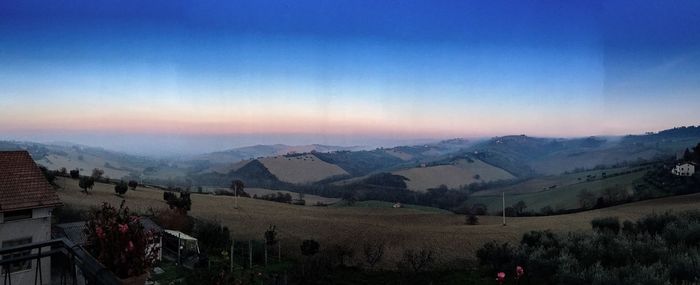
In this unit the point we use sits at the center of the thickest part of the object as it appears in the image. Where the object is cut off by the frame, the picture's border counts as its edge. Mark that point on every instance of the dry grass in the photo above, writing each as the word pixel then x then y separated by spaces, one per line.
pixel 301 169
pixel 453 175
pixel 401 228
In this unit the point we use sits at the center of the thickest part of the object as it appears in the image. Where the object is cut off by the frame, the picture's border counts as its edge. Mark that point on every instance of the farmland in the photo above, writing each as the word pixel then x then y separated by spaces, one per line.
pixel 560 197
pixel 453 175
pixel 300 169
pixel 401 228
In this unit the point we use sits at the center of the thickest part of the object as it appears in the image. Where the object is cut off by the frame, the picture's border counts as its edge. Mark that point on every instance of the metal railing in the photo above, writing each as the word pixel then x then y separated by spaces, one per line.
pixel 75 263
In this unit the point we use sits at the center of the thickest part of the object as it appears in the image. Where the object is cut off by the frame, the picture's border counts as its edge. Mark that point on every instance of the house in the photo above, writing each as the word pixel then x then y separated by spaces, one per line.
pixel 684 169
pixel 75 232
pixel 397 205
pixel 26 203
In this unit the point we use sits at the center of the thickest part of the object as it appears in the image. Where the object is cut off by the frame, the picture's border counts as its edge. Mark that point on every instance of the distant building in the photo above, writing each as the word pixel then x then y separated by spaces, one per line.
pixel 684 169
pixel 26 202
pixel 397 205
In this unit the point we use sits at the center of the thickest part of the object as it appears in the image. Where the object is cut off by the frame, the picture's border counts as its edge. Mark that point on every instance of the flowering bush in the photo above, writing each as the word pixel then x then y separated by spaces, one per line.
pixel 119 241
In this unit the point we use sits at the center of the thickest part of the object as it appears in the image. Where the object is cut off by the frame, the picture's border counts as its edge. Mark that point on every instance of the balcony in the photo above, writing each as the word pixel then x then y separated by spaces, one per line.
pixel 70 264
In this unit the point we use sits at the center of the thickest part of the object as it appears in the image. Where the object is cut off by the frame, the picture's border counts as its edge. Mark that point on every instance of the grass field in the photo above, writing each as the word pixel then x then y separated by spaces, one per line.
pixel 561 197
pixel 301 169
pixel 401 228
pixel 453 175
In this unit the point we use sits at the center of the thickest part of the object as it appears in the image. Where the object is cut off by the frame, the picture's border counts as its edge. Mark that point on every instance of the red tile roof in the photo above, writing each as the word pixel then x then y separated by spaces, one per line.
pixel 22 185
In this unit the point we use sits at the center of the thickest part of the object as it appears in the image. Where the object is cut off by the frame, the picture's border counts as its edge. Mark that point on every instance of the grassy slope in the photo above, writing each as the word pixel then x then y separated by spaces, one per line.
pixel 452 175
pixel 402 228
pixel 301 169
pixel 561 197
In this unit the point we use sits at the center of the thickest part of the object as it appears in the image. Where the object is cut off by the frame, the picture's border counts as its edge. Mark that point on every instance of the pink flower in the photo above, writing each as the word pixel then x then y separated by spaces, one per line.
pixel 130 247
pixel 123 228
pixel 501 277
pixel 100 233
pixel 519 272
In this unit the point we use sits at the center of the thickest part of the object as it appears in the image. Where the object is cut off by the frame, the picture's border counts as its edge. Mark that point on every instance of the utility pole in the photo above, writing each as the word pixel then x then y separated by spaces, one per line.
pixel 504 207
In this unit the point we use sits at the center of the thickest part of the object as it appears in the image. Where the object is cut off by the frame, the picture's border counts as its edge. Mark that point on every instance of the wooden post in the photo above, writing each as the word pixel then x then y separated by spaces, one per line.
pixel 504 207
pixel 279 251
pixel 250 254
pixel 265 245
pixel 231 256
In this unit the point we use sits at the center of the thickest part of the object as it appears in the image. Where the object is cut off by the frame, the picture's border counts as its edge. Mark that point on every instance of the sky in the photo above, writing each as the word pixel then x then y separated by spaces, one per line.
pixel 189 76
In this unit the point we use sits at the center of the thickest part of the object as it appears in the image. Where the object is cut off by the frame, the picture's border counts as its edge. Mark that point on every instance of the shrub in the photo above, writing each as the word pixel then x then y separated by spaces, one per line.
pixel 609 224
pixel 121 188
pixel 496 257
pixel 118 241
pixel 75 174
pixel 309 247
pixel 417 260
pixel 133 184
pixel 472 220
pixel 212 236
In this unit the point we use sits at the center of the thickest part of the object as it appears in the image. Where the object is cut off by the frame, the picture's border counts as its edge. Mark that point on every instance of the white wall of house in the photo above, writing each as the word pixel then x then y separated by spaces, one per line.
pixel 38 228
pixel 685 169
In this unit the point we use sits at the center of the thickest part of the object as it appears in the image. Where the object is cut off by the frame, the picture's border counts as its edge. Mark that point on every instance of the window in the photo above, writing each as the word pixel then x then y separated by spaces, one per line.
pixel 17 215
pixel 22 265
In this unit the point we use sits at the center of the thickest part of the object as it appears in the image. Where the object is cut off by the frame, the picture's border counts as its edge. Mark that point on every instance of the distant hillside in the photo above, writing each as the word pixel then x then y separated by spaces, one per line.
pixel 301 169
pixel 359 163
pixel 84 158
pixel 253 174
pixel 526 156
pixel 259 151
pixel 453 175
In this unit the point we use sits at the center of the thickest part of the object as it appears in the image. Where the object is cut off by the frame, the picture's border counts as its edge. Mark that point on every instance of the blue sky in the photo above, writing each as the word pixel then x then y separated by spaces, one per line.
pixel 344 72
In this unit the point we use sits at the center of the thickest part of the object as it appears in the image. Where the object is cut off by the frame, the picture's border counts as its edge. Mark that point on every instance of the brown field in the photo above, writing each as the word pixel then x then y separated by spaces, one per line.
pixel 400 228
pixel 453 175
pixel 301 169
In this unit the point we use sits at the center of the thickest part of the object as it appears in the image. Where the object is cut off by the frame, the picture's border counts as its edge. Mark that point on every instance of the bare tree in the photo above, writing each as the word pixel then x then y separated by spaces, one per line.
pixel 417 261
pixel 373 251
pixel 237 187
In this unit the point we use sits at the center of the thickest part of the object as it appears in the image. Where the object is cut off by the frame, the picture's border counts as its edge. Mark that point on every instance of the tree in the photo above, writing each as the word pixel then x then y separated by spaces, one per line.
pixel 479 209
pixel 75 174
pixel 97 173
pixel 121 188
pixel 687 156
pixel 86 183
pixel 63 171
pixel 48 174
pixel 133 184
pixel 586 199
pixel 373 251
pixel 519 207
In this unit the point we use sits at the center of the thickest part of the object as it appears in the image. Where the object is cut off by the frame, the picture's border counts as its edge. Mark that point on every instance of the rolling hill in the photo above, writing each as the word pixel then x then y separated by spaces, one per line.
pixel 458 173
pixel 301 169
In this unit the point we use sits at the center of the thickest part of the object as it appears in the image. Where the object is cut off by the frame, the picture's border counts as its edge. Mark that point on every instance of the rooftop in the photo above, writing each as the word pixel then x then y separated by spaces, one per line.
pixel 22 185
